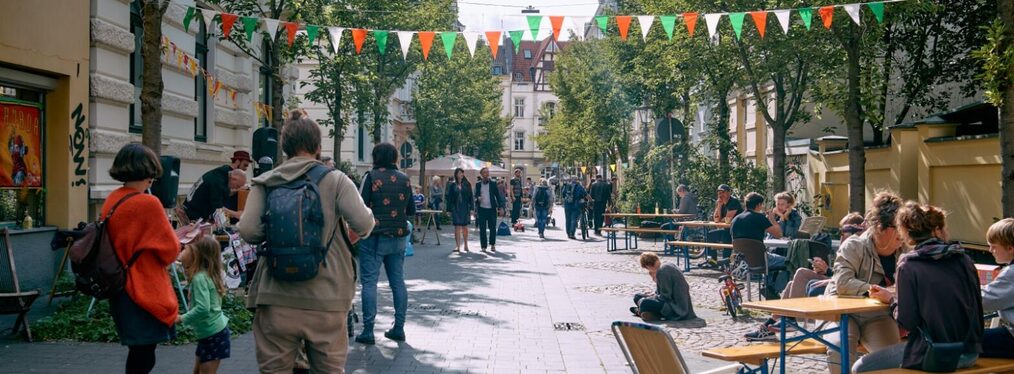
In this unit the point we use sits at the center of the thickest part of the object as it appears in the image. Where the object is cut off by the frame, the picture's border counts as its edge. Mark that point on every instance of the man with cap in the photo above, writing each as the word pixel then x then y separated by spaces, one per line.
pixel 241 160
pixel 726 208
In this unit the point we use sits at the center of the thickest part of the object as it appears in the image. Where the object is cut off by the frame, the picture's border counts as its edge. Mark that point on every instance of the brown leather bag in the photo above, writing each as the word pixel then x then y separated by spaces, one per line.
pixel 97 269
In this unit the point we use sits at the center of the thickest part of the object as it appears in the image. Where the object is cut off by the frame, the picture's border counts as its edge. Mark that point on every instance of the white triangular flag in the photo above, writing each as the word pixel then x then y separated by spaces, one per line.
pixel 271 27
pixel 209 15
pixel 405 39
pixel 783 19
pixel 336 36
pixel 853 11
pixel 578 25
pixel 645 22
pixel 470 39
pixel 712 21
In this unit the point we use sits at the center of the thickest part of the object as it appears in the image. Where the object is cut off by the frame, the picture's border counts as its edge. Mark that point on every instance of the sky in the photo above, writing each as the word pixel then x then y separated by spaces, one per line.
pixel 484 15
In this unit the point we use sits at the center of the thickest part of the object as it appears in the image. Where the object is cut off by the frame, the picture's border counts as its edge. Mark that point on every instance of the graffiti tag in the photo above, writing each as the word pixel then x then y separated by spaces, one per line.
pixel 77 146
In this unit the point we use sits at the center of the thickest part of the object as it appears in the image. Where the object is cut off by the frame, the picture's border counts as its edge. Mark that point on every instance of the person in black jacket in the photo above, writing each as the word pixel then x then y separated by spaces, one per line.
pixel 489 201
pixel 458 202
pixel 601 194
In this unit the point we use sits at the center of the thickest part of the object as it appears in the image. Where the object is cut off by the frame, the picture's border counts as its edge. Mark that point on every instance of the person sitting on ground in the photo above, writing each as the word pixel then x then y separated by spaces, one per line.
pixel 786 215
pixel 862 261
pixel 998 295
pixel 671 300
pixel 937 297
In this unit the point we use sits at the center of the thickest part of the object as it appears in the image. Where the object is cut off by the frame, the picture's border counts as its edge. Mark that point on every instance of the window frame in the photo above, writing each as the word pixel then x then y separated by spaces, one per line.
pixel 201 85
pixel 527 53
pixel 519 140
pixel 266 81
pixel 135 124
pixel 519 107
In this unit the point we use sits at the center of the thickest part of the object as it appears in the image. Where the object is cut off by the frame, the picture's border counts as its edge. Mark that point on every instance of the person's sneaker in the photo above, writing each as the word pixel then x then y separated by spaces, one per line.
pixel 709 264
pixel 633 309
pixel 764 333
pixel 492 248
pixel 650 317
pixel 397 335
pixel 368 340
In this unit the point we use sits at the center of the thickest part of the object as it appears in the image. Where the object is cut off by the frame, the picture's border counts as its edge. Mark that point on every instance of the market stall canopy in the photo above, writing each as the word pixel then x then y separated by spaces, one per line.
pixel 444 166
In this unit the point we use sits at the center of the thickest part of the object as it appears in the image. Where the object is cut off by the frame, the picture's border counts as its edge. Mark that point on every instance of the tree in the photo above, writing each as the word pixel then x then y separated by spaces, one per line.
pixel 151 70
pixel 997 77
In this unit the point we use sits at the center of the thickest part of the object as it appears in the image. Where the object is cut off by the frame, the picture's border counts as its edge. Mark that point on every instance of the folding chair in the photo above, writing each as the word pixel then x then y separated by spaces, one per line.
pixel 650 350
pixel 755 254
pixel 12 299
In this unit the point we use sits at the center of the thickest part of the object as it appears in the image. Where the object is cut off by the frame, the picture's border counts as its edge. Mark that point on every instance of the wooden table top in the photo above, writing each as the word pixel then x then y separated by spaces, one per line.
pixel 429 211
pixel 640 230
pixel 826 308
pixel 721 225
pixel 651 215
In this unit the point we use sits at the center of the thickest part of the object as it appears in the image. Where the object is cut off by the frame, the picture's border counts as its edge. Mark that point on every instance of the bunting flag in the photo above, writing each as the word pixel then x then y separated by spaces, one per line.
pixel 336 37
pixel 826 15
pixel 271 27
pixel 668 23
pixel 227 21
pixel 311 33
pixel 623 22
pixel 290 29
pixel 249 25
pixel 712 20
pixel 736 19
pixel 358 37
pixel 878 10
pixel 760 19
pixel 783 19
pixel 493 39
pixel 806 14
pixel 381 37
pixel 405 40
pixel 691 20
pixel 209 16
pixel 426 42
pixel 557 23
pixel 471 38
pixel 187 18
pixel 645 22
pixel 603 22
pixel 579 25
pixel 448 37
pixel 853 11
pixel 533 24
pixel 516 39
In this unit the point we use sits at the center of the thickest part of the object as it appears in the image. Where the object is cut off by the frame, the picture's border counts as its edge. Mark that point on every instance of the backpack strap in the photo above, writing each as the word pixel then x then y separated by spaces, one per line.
pixel 117 205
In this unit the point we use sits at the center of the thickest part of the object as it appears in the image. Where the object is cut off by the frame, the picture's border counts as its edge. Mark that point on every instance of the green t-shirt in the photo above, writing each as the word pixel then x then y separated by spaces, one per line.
pixel 205 315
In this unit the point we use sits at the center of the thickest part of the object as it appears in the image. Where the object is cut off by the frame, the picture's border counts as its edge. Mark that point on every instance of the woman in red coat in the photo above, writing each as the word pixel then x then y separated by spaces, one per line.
pixel 145 312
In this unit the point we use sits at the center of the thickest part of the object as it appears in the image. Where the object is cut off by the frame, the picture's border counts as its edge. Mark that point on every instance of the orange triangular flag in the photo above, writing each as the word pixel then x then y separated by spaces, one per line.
pixel 557 22
pixel 493 37
pixel 358 37
pixel 426 41
pixel 290 27
pixel 826 13
pixel 760 18
pixel 227 21
pixel 691 20
pixel 624 23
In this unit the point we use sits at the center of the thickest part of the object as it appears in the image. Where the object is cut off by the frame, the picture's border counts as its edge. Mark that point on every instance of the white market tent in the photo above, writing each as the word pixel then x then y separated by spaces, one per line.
pixel 444 166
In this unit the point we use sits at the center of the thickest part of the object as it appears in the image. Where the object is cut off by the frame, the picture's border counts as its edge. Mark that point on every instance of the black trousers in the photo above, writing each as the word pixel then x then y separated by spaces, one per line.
pixel 486 219
pixel 598 214
pixel 719 236
pixel 516 210
pixel 646 303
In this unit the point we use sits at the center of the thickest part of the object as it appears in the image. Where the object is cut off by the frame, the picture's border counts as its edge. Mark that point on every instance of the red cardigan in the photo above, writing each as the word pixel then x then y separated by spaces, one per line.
pixel 141 224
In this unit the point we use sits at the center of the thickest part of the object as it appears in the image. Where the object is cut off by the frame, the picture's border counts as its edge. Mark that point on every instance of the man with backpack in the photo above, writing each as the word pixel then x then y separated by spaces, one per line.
pixel 542 200
pixel 574 196
pixel 388 192
pixel 303 288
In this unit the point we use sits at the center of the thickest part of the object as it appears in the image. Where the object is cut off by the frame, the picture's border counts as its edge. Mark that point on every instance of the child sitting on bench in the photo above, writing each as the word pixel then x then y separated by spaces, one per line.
pixel 671 299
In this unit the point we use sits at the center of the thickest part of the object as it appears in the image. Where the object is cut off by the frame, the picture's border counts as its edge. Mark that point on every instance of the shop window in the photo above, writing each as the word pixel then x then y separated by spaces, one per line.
pixel 136 66
pixel 201 86
pixel 22 147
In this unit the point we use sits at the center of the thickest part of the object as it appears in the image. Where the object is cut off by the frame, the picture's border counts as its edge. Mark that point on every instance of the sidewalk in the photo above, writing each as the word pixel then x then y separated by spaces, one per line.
pixel 474 312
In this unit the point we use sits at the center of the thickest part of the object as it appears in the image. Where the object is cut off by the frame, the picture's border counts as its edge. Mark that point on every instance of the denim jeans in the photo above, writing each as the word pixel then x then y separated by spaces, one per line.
pixel 891 358
pixel 390 252
pixel 572 215
pixel 541 216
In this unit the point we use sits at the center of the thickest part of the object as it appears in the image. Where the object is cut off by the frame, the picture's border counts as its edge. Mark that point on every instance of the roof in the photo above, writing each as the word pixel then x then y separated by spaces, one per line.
pixel 518 62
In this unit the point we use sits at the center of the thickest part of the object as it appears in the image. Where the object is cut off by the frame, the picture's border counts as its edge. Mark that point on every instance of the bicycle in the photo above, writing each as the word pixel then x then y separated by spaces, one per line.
pixel 730 291
pixel 583 221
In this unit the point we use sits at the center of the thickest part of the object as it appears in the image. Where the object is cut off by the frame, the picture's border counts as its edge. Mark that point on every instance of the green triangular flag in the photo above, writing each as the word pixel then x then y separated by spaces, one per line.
pixel 381 37
pixel 448 38
pixel 807 15
pixel 603 22
pixel 311 32
pixel 187 18
pixel 249 25
pixel 878 10
pixel 737 23
pixel 516 39
pixel 667 23
pixel 533 25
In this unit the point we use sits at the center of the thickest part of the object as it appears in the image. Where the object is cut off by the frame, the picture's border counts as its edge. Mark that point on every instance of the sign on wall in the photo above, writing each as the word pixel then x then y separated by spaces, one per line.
pixel 20 146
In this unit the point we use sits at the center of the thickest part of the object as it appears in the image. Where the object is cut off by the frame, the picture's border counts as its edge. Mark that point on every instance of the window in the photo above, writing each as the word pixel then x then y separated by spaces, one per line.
pixel 360 143
pixel 518 76
pixel 266 81
pixel 528 54
pixel 519 107
pixel 497 70
pixel 519 140
pixel 406 155
pixel 136 63
pixel 201 86
pixel 551 109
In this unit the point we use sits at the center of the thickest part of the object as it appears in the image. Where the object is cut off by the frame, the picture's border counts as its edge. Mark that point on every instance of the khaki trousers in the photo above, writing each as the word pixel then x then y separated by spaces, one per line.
pixel 280 332
pixel 875 330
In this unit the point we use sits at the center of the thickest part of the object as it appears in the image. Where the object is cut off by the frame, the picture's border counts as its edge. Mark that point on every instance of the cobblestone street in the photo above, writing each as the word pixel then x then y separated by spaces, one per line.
pixel 478 312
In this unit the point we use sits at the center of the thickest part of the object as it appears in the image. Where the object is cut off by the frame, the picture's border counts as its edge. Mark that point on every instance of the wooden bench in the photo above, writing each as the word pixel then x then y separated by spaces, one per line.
pixel 758 354
pixel 699 244
pixel 982 366
pixel 612 231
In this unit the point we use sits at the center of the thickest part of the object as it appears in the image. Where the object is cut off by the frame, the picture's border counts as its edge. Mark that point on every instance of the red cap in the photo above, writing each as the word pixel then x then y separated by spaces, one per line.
pixel 241 155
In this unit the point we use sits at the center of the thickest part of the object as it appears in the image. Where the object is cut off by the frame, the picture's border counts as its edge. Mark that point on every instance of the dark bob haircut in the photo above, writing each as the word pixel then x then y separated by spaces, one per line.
pixel 385 154
pixel 135 162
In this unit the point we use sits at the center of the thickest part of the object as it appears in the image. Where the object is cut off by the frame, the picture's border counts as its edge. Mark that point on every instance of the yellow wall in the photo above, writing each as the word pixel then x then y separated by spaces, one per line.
pixel 51 37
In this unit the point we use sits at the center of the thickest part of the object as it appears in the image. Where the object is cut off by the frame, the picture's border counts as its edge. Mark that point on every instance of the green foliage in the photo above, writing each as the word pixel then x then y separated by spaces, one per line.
pixel 996 63
pixel 347 168
pixel 69 322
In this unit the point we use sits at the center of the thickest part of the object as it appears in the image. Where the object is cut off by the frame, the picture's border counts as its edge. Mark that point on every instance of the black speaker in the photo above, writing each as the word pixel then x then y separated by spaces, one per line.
pixel 265 148
pixel 167 185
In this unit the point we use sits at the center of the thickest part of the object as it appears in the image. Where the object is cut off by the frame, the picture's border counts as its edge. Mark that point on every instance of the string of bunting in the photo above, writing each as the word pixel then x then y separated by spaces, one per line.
pixel 227 22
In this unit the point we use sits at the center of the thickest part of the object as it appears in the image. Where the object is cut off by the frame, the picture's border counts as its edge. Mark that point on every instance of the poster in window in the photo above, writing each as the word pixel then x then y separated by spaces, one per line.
pixel 20 146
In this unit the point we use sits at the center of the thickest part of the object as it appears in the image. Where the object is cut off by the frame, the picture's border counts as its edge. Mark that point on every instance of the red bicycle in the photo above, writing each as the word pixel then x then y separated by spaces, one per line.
pixel 730 289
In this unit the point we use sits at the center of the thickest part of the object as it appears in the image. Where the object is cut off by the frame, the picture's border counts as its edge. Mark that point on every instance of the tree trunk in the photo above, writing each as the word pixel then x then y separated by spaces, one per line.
pixel 151 81
pixel 854 122
pixel 778 131
pixel 721 130
pixel 1006 11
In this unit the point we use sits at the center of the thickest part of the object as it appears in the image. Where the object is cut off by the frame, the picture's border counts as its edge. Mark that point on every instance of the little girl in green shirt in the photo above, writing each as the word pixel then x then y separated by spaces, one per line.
pixel 202 260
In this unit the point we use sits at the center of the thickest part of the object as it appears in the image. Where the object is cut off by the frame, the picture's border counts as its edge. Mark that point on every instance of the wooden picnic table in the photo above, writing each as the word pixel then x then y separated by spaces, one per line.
pixel 650 215
pixel 824 308
pixel 717 225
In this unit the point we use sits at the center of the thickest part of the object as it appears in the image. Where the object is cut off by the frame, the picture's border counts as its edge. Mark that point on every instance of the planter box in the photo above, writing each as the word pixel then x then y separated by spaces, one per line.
pixel 35 261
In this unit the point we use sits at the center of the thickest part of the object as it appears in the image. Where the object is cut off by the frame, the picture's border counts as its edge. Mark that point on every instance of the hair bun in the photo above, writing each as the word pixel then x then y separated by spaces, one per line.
pixel 295 115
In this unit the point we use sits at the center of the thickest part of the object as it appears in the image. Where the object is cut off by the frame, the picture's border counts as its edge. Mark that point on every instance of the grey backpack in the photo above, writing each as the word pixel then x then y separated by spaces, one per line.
pixel 293 224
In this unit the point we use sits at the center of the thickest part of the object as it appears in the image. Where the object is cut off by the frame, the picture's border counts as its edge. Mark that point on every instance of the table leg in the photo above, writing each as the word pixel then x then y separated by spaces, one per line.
pixel 426 229
pixel 435 233
pixel 781 339
pixel 843 331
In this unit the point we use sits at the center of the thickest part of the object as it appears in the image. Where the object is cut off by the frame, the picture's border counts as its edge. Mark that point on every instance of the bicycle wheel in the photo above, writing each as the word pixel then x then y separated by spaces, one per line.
pixel 730 306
